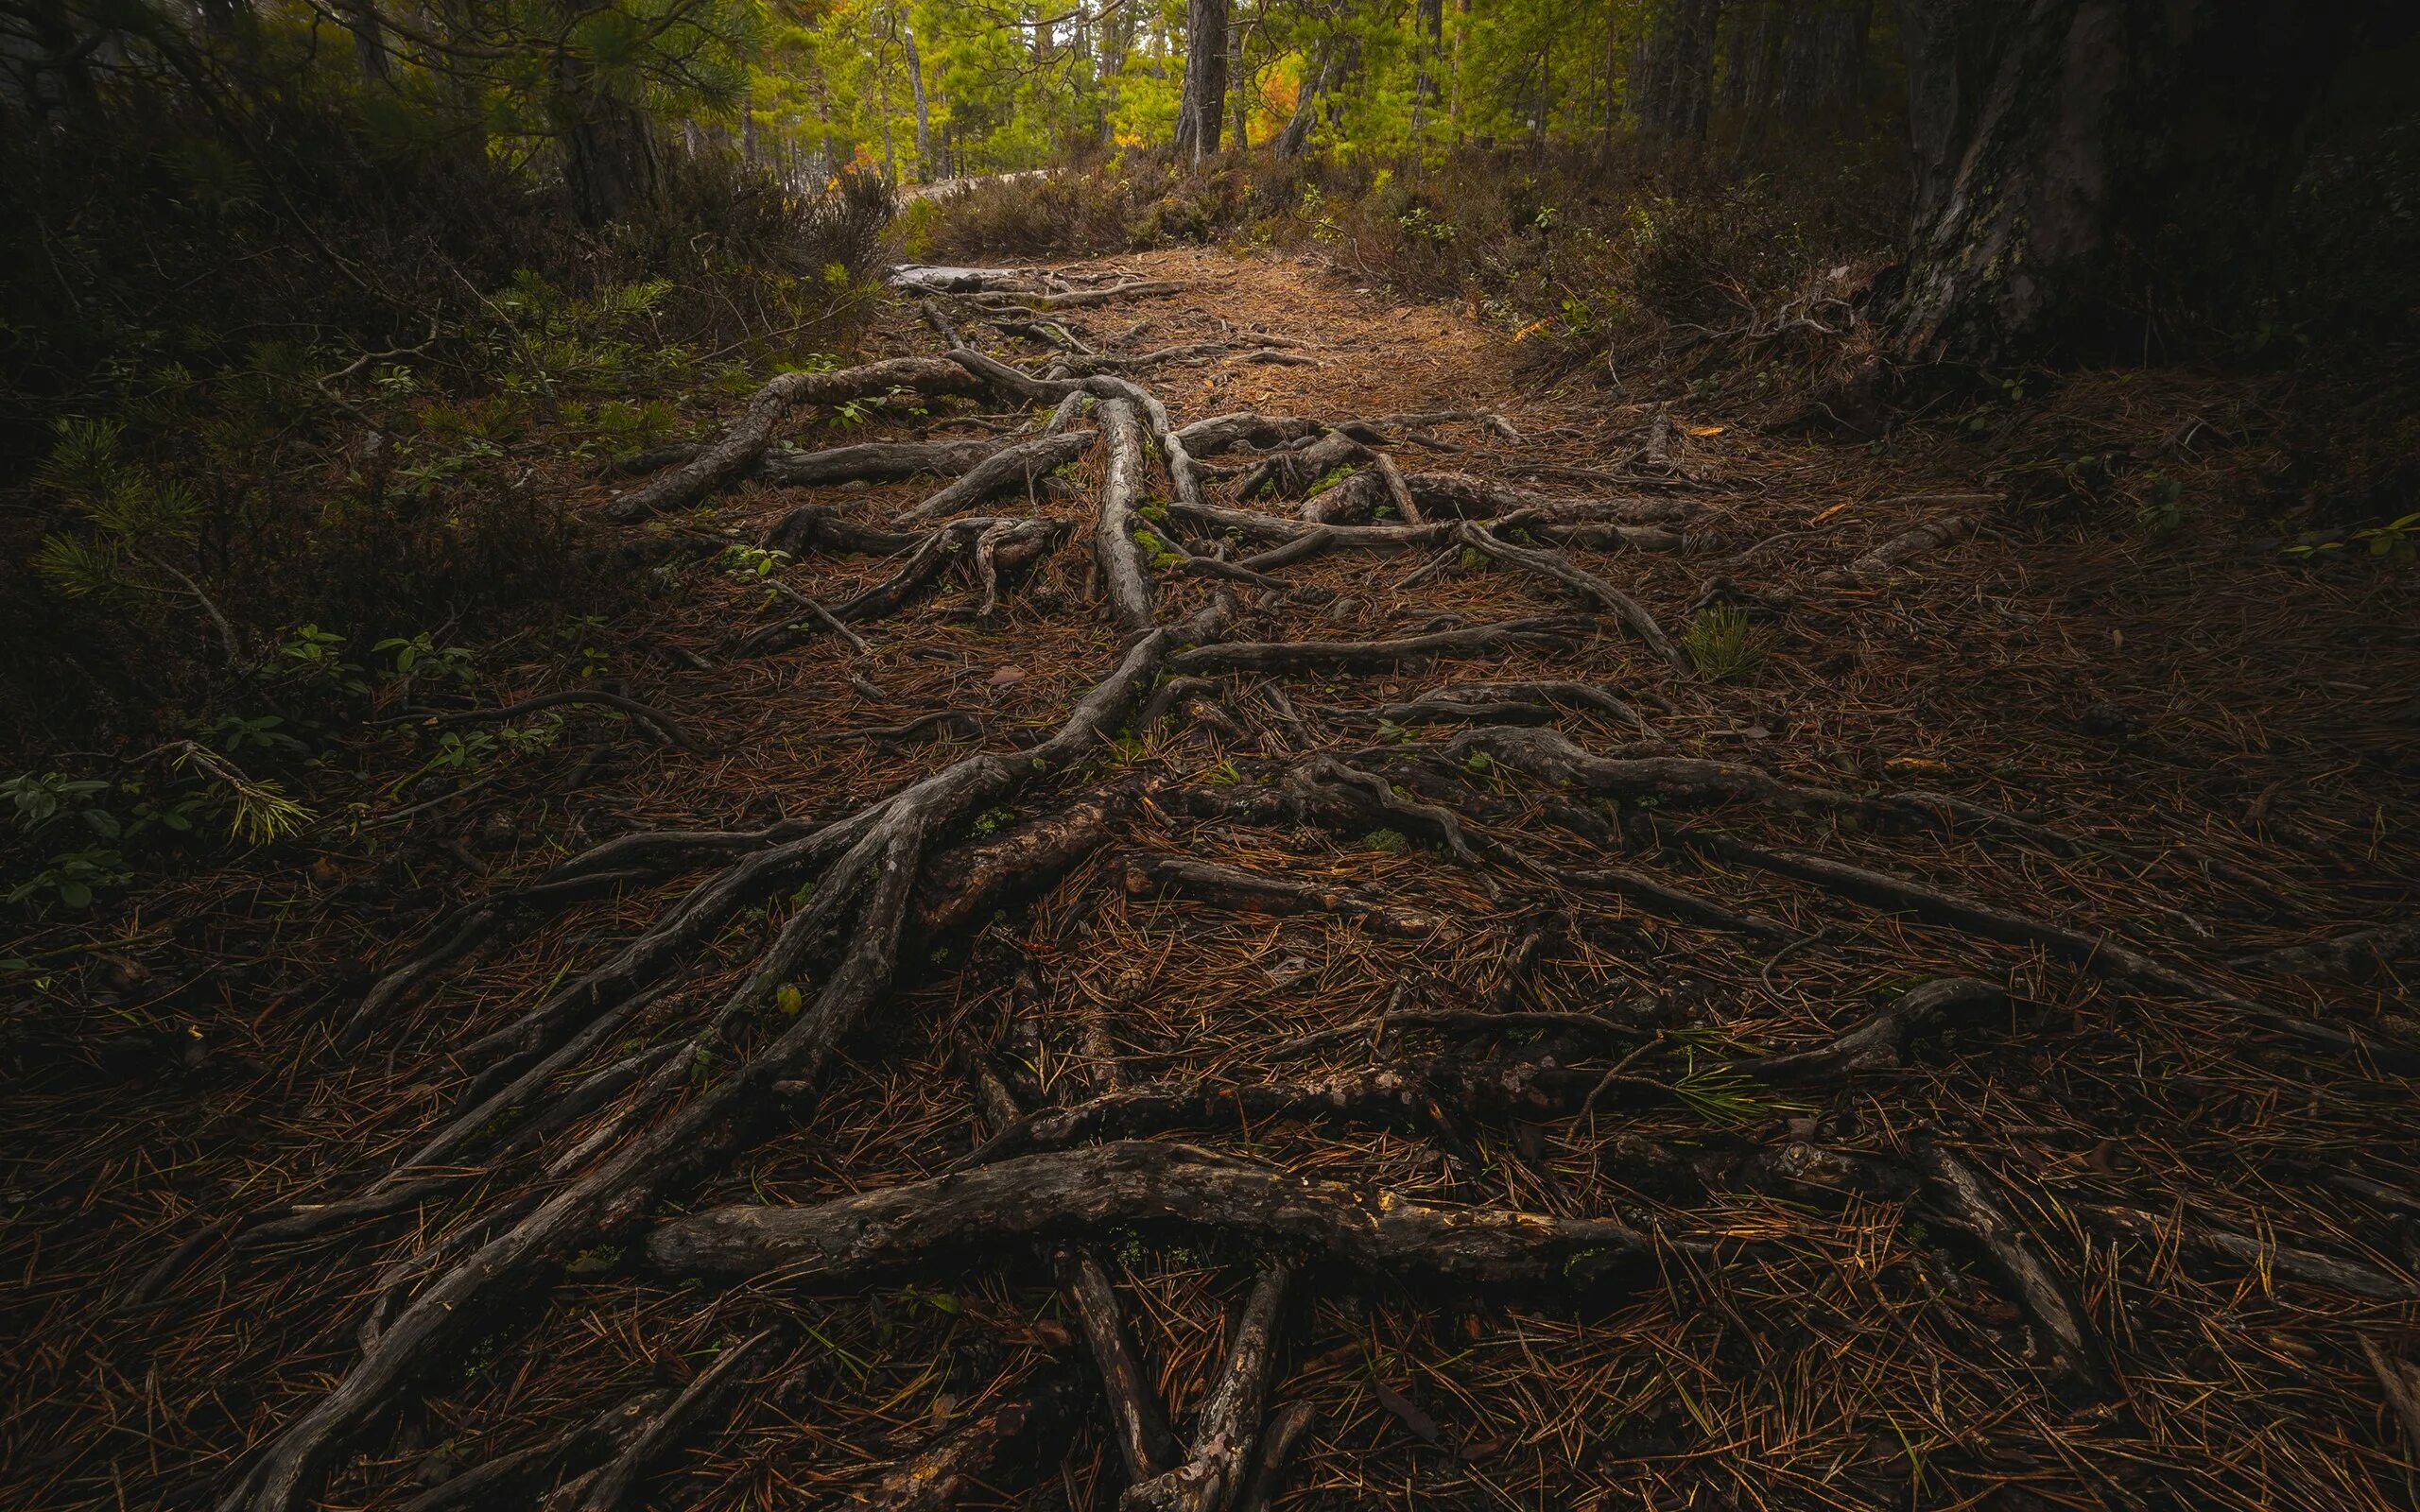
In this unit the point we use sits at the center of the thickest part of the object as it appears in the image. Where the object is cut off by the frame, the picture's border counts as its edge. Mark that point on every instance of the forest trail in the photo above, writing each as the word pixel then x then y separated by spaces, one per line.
pixel 1709 969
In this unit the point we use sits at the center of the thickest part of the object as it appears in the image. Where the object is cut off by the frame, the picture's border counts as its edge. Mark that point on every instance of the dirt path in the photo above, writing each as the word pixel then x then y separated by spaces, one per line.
pixel 1845 1069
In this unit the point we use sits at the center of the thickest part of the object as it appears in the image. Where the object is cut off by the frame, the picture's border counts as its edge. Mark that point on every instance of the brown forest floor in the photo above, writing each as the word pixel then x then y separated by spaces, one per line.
pixel 2230 737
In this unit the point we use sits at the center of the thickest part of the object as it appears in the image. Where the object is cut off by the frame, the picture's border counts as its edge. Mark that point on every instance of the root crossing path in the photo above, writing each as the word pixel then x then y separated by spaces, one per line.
pixel 1224 906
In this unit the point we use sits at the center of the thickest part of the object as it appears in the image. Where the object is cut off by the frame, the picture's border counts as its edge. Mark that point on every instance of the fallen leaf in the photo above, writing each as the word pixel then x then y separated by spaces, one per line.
pixel 1916 764
pixel 1406 1410
pixel 1703 430
pixel 1005 675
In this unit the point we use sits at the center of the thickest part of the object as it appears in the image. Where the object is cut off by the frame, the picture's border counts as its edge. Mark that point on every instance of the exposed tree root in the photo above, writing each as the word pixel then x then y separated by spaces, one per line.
pixel 1486 419
pixel 747 437
pixel 662 727
pixel 1012 467
pixel 2401 1384
pixel 1292 470
pixel 613 1486
pixel 1044 1196
pixel 1965 1196
pixel 1441 1096
pixel 886 843
pixel 482 923
pixel 1012 543
pixel 1285 1432
pixel 875 462
pixel 1222 1453
pixel 1214 434
pixel 1367 656
pixel 964 1462
pixel 1607 597
pixel 1123 571
pixel 1675 902
pixel 925 278
pixel 1476 702
pixel 1901 549
pixel 815 527
pixel 1883 1041
pixel 1555 758
pixel 2266 1256
pixel 1190 353
pixel 1080 299
pixel 1139 1422
pixel 1228 887
pixel 2346 957
pixel 1459 496
pixel 581 1126
pixel 2096 952
pixel 512 1477
pixel 968 883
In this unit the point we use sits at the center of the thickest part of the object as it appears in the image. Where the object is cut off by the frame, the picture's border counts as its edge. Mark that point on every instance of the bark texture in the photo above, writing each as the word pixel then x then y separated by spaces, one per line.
pixel 2063 148
pixel 1201 108
pixel 854 1238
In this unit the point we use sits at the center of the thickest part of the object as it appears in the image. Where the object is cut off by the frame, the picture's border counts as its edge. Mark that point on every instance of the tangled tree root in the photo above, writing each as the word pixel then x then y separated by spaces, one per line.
pixel 614 1096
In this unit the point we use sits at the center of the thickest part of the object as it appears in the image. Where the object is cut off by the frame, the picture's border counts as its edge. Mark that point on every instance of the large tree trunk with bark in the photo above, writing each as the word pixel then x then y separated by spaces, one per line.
pixel 369 41
pixel 609 158
pixel 1297 133
pixel 2065 148
pixel 1203 103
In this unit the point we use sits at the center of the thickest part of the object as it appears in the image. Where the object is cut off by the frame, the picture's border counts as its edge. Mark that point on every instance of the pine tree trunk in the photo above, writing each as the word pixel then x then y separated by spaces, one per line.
pixel 923 107
pixel 1297 133
pixel 1461 26
pixel 1430 26
pixel 2065 148
pixel 369 41
pixel 1116 29
pixel 610 155
pixel 1203 104
pixel 1238 85
pixel 1677 97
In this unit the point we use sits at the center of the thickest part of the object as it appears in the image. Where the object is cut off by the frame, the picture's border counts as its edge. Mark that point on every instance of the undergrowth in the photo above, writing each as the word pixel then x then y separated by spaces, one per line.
pixel 283 429
pixel 1576 250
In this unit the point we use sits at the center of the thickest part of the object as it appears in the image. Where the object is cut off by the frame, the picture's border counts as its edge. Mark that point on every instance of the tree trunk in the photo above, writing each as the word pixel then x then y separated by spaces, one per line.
pixel 1677 93
pixel 1116 29
pixel 890 142
pixel 1430 47
pixel 369 41
pixel 1823 60
pixel 609 144
pixel 1203 104
pixel 1461 26
pixel 1239 84
pixel 823 122
pixel 924 106
pixel 2065 148
pixel 1751 60
pixel 1297 133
